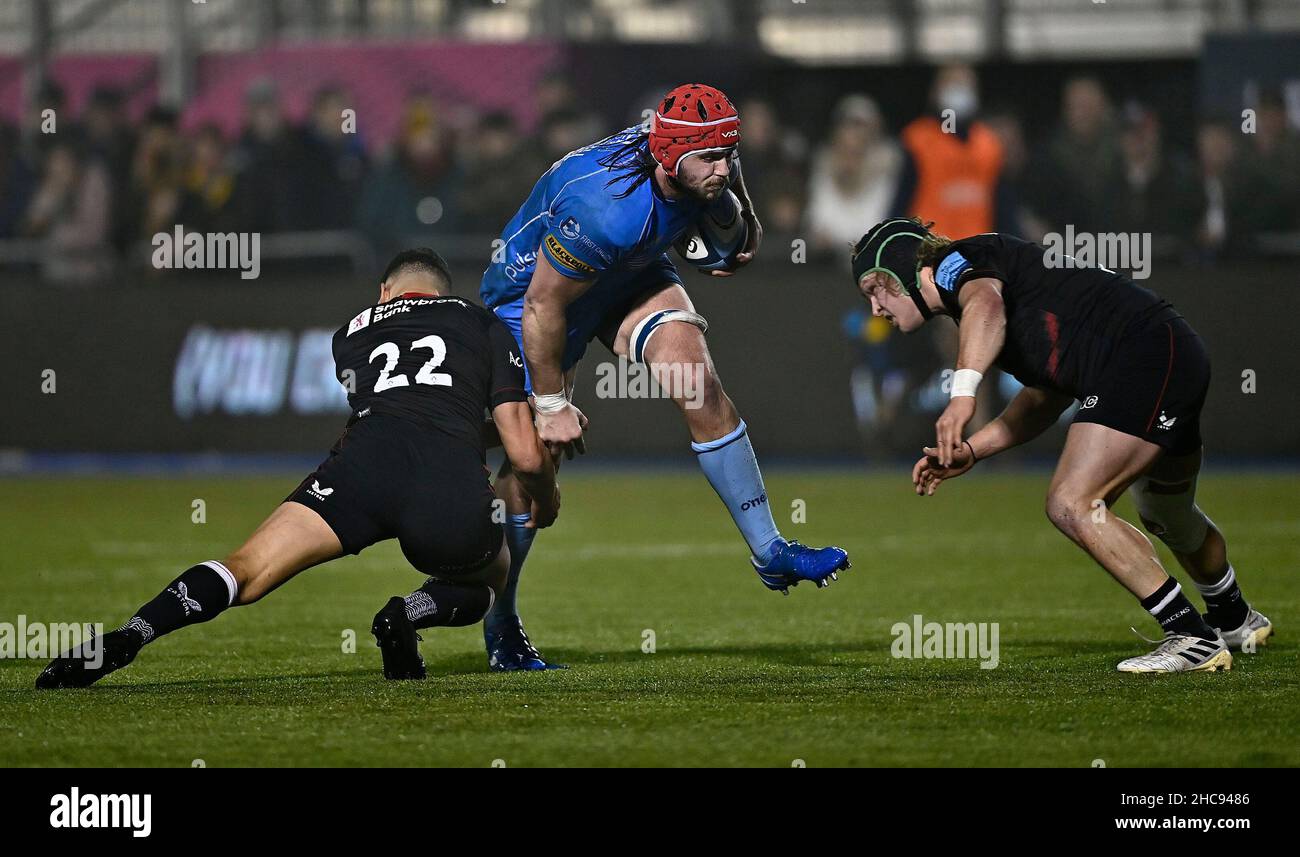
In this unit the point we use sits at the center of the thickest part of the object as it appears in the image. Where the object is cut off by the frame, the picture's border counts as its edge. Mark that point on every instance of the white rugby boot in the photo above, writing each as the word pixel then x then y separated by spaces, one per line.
pixel 1252 634
pixel 1179 653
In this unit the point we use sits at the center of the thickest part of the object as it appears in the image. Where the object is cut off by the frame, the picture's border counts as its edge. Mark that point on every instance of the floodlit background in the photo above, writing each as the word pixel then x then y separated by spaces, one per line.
pixel 342 131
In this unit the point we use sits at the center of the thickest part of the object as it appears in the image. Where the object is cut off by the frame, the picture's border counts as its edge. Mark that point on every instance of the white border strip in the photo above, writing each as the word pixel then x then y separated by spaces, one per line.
pixel 1155 611
pixel 231 586
pixel 663 118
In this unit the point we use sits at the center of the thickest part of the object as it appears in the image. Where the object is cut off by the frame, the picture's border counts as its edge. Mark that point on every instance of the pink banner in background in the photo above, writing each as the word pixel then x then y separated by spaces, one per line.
pixel 464 78
pixel 80 74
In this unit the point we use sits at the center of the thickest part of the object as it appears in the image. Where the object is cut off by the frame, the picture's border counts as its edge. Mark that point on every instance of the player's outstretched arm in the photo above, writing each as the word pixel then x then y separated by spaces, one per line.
pixel 1026 416
pixel 549 294
pixel 983 333
pixel 529 459
pixel 1029 414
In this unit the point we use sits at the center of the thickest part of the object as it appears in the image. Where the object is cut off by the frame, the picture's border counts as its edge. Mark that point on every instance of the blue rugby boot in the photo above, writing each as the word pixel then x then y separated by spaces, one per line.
pixel 790 562
pixel 509 649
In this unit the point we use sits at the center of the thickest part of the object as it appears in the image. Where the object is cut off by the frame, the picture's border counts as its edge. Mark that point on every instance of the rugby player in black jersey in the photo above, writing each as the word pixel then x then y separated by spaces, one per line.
pixel 422 369
pixel 1140 374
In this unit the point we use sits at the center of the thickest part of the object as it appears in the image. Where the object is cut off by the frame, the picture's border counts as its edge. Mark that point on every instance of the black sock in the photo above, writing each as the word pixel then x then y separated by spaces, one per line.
pixel 198 595
pixel 1175 613
pixel 441 604
pixel 1225 609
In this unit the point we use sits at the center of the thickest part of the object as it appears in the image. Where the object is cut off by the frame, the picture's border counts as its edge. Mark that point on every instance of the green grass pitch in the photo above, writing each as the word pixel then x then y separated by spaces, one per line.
pixel 739 675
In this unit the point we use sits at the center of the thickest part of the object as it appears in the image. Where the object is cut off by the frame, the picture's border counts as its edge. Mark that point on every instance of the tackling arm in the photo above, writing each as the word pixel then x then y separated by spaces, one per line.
pixel 983 324
pixel 529 460
pixel 549 294
pixel 983 333
pixel 545 303
pixel 1028 415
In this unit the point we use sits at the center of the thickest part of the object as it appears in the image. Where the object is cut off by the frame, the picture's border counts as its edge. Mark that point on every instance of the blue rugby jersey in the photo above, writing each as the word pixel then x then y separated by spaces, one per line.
pixel 575 217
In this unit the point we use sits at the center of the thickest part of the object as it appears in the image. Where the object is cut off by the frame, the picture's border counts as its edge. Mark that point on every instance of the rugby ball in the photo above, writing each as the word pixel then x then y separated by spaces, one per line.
pixel 713 241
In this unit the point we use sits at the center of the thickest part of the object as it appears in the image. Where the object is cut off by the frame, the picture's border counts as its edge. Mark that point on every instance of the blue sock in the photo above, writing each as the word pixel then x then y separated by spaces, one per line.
pixel 519 539
pixel 732 470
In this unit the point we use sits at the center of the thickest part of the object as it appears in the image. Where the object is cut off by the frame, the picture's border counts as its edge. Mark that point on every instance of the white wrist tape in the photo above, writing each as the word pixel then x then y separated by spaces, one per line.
pixel 550 403
pixel 965 382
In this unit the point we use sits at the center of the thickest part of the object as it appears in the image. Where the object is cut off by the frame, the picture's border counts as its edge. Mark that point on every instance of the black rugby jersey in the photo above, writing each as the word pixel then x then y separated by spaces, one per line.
pixel 1063 323
pixel 437 361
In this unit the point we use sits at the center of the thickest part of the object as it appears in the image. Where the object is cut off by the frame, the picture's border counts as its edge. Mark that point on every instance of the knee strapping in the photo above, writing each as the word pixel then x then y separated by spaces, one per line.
pixel 1169 512
pixel 646 327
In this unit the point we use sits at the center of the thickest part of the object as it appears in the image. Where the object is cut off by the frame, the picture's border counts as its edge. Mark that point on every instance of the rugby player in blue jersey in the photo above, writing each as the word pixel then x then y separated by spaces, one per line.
pixel 585 257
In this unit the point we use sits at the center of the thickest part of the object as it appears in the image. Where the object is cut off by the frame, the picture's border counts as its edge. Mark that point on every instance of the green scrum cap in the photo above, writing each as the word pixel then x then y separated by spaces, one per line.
pixel 891 247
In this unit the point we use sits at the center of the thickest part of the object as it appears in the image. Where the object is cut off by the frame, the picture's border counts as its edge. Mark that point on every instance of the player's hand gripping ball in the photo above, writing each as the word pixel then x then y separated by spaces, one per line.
pixel 713 242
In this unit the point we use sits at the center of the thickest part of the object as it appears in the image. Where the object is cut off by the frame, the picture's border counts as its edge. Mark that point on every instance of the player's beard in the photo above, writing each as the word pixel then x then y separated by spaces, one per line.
pixel 700 193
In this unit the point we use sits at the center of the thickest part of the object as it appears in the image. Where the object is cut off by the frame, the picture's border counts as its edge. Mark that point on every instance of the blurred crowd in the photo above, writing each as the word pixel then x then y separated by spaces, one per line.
pixel 1102 167
pixel 100 188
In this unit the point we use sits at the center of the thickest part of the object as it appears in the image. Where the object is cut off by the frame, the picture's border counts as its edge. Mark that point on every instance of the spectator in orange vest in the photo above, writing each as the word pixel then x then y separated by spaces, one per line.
pixel 952 163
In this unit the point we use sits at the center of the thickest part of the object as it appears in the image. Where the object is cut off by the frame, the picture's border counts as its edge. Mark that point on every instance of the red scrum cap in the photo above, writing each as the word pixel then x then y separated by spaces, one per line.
pixel 692 118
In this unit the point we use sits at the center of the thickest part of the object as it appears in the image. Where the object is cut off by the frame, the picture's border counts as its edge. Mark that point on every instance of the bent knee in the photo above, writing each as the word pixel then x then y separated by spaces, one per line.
pixel 1068 512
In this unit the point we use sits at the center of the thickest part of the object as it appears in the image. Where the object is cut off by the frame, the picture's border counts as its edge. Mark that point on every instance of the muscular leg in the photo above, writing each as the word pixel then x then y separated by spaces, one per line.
pixel 293 538
pixel 1166 501
pixel 507 645
pixel 1098 464
pixel 678 356
pixel 518 537
pixel 1175 477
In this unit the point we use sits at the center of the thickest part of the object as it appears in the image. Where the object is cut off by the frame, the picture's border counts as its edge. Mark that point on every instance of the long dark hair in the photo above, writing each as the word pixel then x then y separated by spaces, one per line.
pixel 631 163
